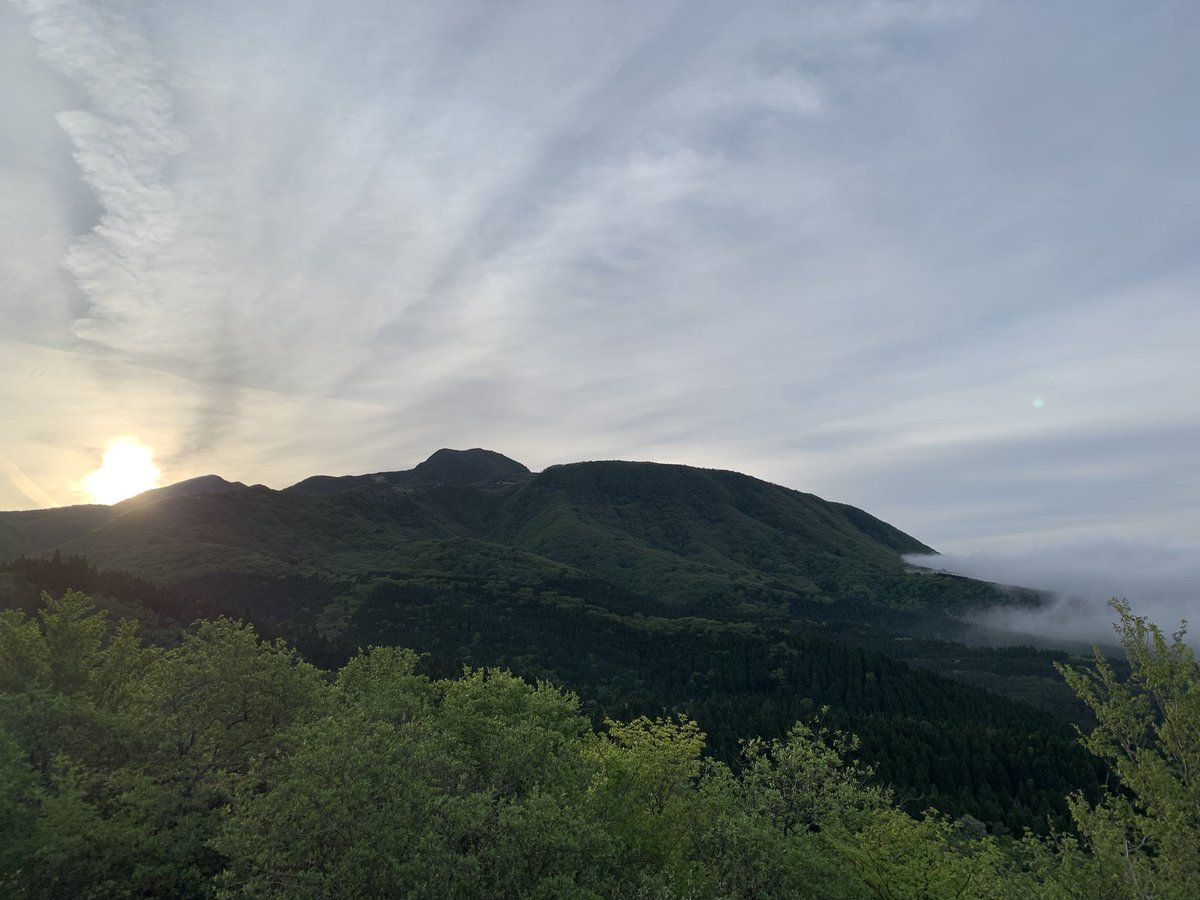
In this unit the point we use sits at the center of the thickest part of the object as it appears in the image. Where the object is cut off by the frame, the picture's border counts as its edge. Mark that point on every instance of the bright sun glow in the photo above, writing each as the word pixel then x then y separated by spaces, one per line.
pixel 128 469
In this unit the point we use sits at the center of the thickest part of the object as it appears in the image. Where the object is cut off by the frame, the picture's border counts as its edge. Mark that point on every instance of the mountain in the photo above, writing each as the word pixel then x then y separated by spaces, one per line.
pixel 477 466
pixel 33 532
pixel 203 484
pixel 690 537
pixel 644 587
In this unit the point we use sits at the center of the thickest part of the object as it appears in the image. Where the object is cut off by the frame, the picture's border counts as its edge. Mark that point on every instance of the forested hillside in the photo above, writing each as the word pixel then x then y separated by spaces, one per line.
pixel 691 537
pixel 224 765
pixel 646 589
pixel 937 742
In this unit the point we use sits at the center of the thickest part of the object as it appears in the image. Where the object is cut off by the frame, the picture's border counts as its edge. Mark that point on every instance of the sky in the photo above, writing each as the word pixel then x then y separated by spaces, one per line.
pixel 934 259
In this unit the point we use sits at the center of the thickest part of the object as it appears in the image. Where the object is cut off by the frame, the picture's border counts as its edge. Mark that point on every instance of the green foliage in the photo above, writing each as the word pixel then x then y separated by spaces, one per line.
pixel 24 656
pixel 72 632
pixel 930 859
pixel 384 683
pixel 333 814
pixel 18 806
pixel 219 699
pixel 641 791
pixel 805 781
pixel 132 750
pixel 459 788
pixel 935 741
pixel 745 854
pixel 225 766
pixel 1145 833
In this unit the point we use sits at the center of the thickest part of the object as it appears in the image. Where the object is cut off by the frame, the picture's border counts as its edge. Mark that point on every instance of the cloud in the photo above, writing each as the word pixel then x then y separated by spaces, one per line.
pixel 122 144
pixel 26 487
pixel 841 246
pixel 1159 581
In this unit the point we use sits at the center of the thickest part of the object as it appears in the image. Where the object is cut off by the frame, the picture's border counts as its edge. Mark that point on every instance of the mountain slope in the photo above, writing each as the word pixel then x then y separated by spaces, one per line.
pixel 644 587
pixel 203 484
pixel 691 537
pixel 37 531
pixel 694 535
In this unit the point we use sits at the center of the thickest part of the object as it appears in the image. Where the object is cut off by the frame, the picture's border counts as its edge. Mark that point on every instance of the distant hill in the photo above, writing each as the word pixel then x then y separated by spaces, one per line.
pixel 39 531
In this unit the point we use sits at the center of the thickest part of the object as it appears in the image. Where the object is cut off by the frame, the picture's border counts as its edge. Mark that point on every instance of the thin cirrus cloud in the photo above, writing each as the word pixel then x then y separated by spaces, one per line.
pixel 842 246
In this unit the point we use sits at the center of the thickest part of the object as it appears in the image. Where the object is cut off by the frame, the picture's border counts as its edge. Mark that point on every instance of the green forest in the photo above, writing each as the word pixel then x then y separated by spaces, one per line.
pixel 221 763
pixel 645 589
pixel 933 740
pixel 605 679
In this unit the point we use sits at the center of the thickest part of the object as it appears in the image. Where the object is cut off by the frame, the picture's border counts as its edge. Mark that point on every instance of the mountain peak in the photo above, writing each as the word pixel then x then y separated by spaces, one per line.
pixel 202 484
pixel 473 466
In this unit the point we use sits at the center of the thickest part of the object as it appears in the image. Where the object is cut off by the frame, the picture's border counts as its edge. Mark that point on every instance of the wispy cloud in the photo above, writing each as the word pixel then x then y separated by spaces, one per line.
pixel 842 246
pixel 31 491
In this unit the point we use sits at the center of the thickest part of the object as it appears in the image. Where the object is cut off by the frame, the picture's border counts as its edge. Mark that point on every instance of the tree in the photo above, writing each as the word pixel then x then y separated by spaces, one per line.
pixel 410 787
pixel 117 759
pixel 642 791
pixel 338 812
pixel 805 782
pixel 1144 835
pixel 931 859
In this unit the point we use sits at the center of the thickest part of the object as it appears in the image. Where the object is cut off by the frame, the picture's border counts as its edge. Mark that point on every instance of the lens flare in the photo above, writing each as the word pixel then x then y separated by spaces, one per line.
pixel 128 468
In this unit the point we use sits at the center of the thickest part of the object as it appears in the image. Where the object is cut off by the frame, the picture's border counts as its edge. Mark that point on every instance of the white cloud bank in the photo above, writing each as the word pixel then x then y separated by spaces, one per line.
pixel 1160 582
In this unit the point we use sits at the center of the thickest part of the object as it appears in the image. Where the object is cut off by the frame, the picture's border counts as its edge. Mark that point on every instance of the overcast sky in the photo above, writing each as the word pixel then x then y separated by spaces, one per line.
pixel 938 260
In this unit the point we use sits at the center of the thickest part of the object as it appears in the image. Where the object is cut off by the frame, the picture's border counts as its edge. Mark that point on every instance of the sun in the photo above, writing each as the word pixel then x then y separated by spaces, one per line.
pixel 128 469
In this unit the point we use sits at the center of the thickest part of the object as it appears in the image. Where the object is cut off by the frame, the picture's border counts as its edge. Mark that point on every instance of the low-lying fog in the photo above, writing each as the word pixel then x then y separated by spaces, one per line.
pixel 1160 582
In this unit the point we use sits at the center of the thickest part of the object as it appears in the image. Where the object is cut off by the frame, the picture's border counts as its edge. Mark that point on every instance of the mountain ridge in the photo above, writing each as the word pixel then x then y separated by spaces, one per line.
pixel 444 466
pixel 680 533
